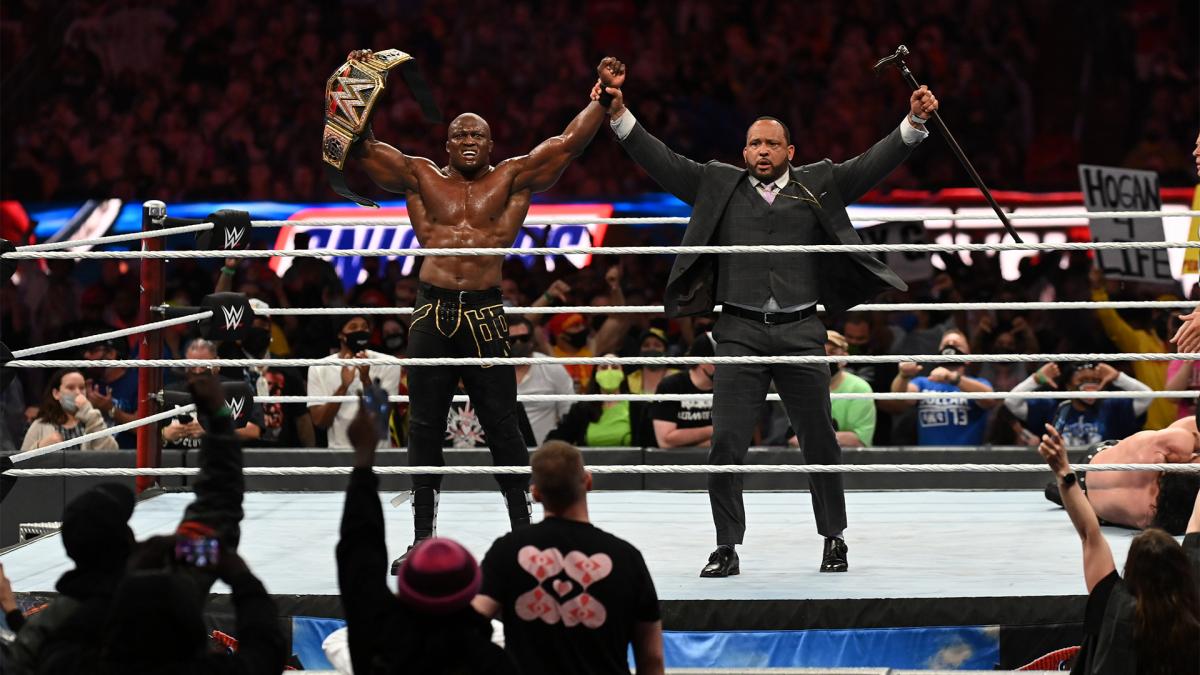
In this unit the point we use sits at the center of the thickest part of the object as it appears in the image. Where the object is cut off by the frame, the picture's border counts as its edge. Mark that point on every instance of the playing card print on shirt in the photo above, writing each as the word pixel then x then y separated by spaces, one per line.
pixel 561 590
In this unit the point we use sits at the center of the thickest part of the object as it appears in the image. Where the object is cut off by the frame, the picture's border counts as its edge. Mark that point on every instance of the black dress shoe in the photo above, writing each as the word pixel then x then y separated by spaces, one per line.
pixel 400 561
pixel 834 559
pixel 722 563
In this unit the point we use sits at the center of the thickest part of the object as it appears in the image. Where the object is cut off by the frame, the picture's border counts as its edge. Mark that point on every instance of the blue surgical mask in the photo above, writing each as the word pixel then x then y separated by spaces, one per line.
pixel 68 403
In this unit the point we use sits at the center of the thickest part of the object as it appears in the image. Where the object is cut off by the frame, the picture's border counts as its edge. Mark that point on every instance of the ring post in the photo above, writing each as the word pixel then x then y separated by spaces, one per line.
pixel 149 449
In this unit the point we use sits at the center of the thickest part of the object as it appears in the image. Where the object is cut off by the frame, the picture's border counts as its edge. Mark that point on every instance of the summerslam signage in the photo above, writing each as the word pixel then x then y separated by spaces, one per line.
pixel 391 236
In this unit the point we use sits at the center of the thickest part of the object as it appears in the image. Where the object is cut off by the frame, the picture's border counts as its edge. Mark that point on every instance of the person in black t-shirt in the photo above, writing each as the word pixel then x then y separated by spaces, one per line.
pixel 1148 621
pixel 572 596
pixel 681 424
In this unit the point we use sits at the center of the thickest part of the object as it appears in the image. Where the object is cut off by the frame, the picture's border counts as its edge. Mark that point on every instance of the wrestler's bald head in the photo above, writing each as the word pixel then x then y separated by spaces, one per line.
pixel 469 120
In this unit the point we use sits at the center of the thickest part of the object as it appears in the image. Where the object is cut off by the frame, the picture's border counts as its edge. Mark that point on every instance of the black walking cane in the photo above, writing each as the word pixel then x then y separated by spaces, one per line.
pixel 897 60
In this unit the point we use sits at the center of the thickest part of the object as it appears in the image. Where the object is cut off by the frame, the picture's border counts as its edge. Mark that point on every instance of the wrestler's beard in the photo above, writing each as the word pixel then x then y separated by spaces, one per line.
pixel 774 173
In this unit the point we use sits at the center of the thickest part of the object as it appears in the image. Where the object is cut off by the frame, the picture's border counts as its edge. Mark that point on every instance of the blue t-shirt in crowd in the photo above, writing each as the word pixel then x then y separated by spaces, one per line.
pixel 124 393
pixel 949 420
pixel 1108 419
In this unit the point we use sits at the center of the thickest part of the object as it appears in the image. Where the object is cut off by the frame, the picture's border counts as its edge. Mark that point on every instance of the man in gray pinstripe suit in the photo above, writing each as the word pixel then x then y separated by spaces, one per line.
pixel 769 300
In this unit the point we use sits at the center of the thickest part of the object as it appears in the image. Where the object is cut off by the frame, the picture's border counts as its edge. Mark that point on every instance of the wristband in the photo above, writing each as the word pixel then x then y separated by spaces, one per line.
pixel 228 271
pixel 916 120
pixel 1039 378
pixel 1069 480
pixel 606 98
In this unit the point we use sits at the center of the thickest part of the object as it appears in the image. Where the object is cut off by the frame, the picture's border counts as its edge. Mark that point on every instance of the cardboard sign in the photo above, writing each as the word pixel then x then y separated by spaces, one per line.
pixel 1191 256
pixel 908 266
pixel 1108 188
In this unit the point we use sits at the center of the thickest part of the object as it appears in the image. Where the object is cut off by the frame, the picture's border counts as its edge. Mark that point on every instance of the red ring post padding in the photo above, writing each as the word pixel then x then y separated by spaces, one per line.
pixel 149 449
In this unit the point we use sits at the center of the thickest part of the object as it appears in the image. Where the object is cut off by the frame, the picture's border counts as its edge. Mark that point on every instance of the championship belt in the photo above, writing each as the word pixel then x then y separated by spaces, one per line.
pixel 350 97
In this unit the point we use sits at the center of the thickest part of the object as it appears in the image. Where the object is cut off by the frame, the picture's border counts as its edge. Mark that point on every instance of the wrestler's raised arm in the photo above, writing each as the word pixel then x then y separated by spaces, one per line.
pixel 390 168
pixel 542 167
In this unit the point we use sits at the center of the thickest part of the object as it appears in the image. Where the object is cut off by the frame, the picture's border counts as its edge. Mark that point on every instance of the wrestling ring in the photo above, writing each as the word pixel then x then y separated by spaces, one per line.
pixel 956 562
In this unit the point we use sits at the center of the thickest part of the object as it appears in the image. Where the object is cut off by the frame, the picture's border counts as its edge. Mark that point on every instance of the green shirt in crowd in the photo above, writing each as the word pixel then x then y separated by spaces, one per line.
pixel 854 415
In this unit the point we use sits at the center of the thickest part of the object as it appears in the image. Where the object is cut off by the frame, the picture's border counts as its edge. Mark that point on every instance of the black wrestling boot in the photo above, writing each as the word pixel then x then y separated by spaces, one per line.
pixel 520 508
pixel 723 562
pixel 425 507
pixel 834 559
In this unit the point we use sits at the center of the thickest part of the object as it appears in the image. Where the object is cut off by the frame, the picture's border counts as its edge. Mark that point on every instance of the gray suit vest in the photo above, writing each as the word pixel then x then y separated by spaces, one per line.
pixel 749 279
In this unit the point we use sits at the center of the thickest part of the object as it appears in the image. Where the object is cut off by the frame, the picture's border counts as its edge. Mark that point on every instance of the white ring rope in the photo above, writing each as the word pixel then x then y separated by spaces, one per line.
pixel 605 360
pixel 110 431
pixel 605 250
pixel 872 396
pixel 883 216
pixel 91 339
pixel 659 309
pixel 615 469
pixel 866 217
pixel 117 238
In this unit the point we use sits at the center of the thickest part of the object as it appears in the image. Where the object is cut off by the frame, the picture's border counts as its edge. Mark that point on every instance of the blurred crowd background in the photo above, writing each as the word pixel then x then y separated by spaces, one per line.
pixel 182 100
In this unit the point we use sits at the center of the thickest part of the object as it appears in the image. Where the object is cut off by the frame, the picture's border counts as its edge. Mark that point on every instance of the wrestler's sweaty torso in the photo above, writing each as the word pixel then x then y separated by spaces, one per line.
pixel 450 211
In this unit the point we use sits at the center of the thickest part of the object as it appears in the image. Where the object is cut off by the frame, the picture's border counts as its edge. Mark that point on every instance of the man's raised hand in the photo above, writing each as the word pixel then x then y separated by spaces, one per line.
pixel 612 76
pixel 1187 338
pixel 611 72
pixel 922 102
pixel 1054 451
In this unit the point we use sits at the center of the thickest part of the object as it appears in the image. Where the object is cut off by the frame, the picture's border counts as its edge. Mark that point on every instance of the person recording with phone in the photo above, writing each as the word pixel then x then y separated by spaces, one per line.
pixel 174 574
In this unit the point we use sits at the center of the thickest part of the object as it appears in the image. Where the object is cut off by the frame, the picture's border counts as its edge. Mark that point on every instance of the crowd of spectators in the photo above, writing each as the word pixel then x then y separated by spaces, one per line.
pixel 62 300
pixel 180 100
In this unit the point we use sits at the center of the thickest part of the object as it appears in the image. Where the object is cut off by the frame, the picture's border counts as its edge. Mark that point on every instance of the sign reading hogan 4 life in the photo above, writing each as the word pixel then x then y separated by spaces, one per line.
pixel 1107 188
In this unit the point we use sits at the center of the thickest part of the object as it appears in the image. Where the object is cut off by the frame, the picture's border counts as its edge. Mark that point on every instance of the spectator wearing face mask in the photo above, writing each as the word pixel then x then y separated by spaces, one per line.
pixel 681 424
pixel 599 423
pixel 541 378
pixel 354 333
pixel 947 420
pixel 1081 421
pixel 646 380
pixel 65 414
pixel 572 336
pixel 283 425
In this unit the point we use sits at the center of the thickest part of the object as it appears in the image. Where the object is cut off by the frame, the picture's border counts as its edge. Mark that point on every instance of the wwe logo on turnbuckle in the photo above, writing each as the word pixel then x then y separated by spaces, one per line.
pixel 233 237
pixel 233 316
pixel 235 406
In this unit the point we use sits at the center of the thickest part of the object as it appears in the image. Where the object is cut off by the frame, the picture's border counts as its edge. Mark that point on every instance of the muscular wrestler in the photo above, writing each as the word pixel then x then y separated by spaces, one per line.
pixel 470 203
pixel 1141 499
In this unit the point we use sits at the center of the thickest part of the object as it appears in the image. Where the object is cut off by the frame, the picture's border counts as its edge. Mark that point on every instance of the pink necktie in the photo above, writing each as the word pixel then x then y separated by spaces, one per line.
pixel 768 191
